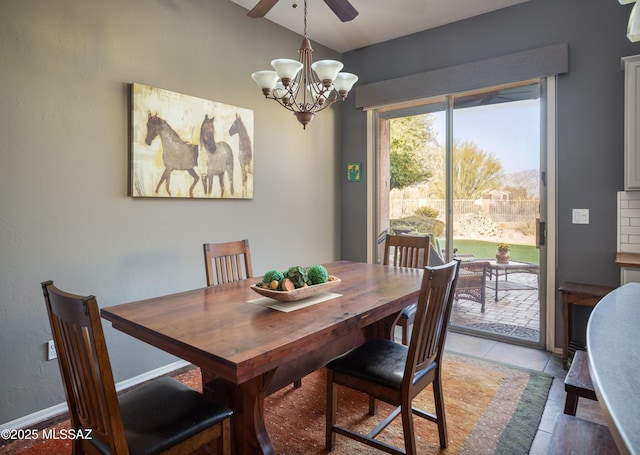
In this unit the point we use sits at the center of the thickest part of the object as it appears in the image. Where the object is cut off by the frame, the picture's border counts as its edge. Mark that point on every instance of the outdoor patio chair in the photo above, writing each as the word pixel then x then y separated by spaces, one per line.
pixel 472 282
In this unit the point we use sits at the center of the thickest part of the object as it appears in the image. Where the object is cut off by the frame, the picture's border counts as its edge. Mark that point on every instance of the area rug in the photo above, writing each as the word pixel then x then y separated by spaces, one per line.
pixel 509 330
pixel 490 408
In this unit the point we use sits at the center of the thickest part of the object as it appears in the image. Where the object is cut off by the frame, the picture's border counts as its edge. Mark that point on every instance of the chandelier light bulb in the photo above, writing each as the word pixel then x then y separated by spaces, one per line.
pixel 266 80
pixel 344 81
pixel 286 68
pixel 327 70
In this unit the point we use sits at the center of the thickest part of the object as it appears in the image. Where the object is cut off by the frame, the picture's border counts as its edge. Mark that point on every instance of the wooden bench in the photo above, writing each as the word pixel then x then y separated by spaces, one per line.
pixel 574 435
pixel 578 383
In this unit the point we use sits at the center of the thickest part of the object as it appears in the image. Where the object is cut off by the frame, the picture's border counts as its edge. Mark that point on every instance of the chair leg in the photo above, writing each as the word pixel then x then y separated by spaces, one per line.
pixel 373 406
pixel 223 445
pixel 76 447
pixel 332 401
pixel 297 384
pixel 406 414
pixel 571 404
pixel 438 398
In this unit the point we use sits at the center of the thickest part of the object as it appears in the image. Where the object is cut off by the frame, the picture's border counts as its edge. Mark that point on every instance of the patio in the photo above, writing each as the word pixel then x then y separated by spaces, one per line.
pixel 515 314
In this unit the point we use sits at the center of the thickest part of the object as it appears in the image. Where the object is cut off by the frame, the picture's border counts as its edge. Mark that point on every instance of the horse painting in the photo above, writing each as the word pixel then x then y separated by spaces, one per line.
pixel 177 155
pixel 246 153
pixel 219 157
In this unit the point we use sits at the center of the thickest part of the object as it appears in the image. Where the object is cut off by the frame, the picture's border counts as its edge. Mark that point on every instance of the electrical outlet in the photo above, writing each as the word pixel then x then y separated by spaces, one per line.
pixel 51 350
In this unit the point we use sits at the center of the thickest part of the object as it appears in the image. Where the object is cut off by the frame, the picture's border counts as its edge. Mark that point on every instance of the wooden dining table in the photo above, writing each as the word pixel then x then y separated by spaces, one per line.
pixel 246 351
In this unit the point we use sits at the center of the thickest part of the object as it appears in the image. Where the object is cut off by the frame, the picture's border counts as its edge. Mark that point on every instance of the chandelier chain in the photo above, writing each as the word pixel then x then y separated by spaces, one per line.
pixel 305 18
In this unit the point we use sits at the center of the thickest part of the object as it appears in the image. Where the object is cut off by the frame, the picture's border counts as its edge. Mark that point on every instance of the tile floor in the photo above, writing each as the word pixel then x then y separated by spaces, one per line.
pixel 533 359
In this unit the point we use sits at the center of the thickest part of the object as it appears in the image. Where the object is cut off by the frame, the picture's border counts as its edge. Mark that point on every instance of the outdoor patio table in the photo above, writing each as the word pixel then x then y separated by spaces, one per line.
pixel 496 270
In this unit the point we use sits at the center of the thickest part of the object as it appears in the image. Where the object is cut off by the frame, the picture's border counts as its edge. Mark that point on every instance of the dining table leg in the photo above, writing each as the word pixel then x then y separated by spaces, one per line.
pixel 247 402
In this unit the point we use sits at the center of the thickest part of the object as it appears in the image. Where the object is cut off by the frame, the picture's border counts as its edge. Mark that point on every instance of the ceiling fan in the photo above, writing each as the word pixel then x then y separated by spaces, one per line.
pixel 342 8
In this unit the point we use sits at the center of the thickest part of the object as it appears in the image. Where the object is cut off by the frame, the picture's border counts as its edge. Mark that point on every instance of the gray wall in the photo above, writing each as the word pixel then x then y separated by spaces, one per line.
pixel 64 210
pixel 590 115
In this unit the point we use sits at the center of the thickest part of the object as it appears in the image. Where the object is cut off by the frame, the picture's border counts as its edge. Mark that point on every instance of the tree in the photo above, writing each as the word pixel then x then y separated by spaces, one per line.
pixel 474 172
pixel 519 193
pixel 410 138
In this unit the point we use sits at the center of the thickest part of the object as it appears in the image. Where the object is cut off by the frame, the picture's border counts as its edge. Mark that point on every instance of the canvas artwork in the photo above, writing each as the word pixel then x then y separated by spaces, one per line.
pixel 188 147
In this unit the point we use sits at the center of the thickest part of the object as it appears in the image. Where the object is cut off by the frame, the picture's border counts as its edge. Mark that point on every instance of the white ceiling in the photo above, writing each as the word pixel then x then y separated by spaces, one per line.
pixel 378 21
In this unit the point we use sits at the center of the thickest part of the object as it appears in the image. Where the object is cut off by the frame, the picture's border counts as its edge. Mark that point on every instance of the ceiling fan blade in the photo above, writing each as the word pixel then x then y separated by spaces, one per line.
pixel 343 9
pixel 261 8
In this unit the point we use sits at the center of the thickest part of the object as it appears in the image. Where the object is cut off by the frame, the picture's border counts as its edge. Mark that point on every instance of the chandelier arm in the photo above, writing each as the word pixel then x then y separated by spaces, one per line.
pixel 281 103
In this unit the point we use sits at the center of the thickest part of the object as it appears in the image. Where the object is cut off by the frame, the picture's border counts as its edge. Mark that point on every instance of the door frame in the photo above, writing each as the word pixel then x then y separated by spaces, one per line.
pixel 548 127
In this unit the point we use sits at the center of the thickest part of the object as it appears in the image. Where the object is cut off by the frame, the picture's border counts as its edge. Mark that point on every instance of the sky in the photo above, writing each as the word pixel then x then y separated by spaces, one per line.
pixel 509 131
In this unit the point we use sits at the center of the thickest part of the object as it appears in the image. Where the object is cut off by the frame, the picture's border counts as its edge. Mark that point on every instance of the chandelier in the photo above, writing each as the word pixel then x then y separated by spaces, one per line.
pixel 303 87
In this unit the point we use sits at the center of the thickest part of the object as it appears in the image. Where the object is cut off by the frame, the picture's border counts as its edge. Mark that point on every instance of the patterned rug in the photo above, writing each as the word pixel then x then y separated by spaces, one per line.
pixel 490 408
pixel 506 330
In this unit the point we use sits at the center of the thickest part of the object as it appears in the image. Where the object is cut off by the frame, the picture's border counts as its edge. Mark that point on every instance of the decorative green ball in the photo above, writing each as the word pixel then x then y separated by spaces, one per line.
pixel 317 274
pixel 298 275
pixel 272 275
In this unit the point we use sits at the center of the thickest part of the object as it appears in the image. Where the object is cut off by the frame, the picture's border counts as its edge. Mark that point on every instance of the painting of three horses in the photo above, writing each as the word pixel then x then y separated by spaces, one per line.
pixel 188 147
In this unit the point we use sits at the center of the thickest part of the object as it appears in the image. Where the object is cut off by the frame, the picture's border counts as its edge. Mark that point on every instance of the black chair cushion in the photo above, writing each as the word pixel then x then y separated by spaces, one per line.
pixel 378 360
pixel 163 412
pixel 409 312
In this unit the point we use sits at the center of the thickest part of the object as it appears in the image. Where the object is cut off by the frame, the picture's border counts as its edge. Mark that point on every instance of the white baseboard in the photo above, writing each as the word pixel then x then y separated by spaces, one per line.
pixel 40 416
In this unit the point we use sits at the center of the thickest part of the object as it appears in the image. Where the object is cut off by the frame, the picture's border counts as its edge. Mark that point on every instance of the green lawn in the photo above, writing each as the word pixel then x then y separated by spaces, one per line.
pixel 487 250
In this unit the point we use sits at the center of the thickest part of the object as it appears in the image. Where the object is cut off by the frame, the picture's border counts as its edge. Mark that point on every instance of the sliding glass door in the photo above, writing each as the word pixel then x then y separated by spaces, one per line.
pixel 467 169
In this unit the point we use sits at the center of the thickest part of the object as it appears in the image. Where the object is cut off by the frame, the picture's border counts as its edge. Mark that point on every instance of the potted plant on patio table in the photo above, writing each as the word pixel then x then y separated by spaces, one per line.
pixel 502 255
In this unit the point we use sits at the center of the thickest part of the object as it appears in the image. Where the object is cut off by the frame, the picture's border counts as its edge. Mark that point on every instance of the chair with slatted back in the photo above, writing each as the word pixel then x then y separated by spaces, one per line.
pixel 224 264
pixel 160 416
pixel 227 262
pixel 406 251
pixel 395 373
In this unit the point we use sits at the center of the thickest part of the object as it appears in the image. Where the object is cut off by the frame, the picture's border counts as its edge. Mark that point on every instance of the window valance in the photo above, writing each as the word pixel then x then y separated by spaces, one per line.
pixel 520 66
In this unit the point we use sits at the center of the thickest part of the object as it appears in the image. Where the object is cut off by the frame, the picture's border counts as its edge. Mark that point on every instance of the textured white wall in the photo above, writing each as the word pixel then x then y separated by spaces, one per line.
pixel 64 210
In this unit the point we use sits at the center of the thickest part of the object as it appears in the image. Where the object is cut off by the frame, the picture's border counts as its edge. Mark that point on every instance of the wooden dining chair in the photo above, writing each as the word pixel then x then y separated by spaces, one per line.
pixel 159 416
pixel 227 262
pixel 406 251
pixel 395 373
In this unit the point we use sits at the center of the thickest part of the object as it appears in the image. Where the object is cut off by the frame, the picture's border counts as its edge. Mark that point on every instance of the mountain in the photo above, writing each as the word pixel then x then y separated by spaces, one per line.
pixel 529 179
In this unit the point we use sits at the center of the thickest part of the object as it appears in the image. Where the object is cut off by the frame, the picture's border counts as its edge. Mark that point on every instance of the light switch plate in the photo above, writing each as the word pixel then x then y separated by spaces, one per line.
pixel 580 216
